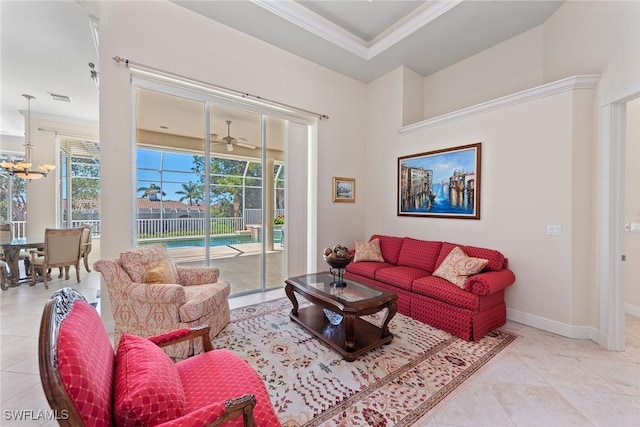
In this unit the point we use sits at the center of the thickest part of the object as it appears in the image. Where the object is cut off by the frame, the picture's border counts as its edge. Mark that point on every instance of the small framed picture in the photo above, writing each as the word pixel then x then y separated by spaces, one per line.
pixel 344 190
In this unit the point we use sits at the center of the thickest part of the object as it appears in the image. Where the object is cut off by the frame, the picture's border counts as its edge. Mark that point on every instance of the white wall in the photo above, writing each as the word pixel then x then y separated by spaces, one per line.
pixel 556 287
pixel 361 140
pixel 509 67
pixel 582 37
pixel 166 36
pixel 530 155
pixel 594 37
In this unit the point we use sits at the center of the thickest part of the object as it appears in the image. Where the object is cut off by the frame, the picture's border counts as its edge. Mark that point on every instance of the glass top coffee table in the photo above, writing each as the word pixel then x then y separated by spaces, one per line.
pixel 334 313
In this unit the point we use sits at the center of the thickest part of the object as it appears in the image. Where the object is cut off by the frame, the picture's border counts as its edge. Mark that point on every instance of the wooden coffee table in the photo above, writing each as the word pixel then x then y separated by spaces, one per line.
pixel 353 336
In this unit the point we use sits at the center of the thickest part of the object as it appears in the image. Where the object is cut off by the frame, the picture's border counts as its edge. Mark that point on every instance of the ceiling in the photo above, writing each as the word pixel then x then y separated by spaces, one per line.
pixel 46 46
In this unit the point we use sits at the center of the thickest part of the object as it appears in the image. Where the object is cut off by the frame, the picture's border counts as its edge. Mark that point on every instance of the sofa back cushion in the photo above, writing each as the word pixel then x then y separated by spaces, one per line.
pixel 148 389
pixel 86 363
pixel 138 261
pixel 496 260
pixel 421 254
pixel 389 247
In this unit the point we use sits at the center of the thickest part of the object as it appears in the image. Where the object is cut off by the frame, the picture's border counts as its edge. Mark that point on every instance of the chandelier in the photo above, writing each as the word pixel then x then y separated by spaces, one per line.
pixel 22 169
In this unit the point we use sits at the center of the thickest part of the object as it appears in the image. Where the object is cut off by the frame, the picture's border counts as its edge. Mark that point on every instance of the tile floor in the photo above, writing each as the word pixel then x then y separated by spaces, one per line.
pixel 541 380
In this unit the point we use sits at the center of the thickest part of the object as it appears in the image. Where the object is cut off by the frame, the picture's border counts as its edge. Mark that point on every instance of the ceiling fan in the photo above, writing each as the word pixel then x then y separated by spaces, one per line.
pixel 230 141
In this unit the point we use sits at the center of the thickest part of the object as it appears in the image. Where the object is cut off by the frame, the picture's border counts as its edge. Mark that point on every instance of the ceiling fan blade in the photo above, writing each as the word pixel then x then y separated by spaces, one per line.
pixel 249 146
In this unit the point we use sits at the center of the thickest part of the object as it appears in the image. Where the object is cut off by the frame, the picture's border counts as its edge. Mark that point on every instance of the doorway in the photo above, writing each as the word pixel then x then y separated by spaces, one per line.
pixel 612 153
pixel 210 185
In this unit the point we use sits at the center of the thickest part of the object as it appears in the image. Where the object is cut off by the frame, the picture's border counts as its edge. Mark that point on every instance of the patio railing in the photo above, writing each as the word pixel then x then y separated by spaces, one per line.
pixel 155 228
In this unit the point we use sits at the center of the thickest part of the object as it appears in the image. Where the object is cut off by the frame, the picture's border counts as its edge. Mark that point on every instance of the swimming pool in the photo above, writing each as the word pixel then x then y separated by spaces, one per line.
pixel 198 242
pixel 215 241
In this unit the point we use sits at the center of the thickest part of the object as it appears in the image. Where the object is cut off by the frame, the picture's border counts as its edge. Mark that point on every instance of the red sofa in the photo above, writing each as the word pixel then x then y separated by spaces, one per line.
pixel 407 270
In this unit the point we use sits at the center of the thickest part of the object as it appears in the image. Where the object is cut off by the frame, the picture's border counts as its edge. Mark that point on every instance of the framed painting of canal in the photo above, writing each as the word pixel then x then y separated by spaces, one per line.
pixel 344 189
pixel 443 183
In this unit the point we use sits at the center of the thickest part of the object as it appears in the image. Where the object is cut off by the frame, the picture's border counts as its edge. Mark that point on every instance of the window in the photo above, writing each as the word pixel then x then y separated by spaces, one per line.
pixel 79 183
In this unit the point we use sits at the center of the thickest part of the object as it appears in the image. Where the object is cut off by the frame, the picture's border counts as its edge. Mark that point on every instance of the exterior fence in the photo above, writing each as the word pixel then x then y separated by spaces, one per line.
pixel 154 228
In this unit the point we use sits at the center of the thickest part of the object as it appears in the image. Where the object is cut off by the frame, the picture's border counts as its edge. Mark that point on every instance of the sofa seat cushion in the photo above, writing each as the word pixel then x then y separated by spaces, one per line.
pixel 400 276
pixel 138 261
pixel 148 390
pixel 390 247
pixel 367 268
pixel 421 254
pixel 443 290
pixel 219 375
pixel 87 370
pixel 495 258
pixel 203 299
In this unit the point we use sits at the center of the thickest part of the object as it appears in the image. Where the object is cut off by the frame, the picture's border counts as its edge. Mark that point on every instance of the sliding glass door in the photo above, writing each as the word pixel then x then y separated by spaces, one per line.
pixel 211 185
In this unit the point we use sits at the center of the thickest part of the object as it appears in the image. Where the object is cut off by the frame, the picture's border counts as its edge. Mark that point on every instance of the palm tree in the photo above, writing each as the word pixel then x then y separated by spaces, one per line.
pixel 191 192
pixel 151 192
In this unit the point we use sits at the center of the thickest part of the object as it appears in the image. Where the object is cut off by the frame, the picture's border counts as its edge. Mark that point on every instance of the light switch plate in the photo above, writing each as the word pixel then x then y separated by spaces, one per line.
pixel 554 230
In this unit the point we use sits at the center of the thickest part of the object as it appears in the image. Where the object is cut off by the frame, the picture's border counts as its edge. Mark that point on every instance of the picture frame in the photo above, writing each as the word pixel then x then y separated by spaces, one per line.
pixel 344 190
pixel 443 183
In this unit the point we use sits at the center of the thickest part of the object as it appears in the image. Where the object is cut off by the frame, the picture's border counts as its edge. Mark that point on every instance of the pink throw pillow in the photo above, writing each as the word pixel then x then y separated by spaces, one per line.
pixel 148 389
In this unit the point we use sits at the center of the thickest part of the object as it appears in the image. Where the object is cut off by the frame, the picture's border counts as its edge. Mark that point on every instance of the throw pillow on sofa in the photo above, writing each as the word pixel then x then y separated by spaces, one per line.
pixel 368 251
pixel 457 267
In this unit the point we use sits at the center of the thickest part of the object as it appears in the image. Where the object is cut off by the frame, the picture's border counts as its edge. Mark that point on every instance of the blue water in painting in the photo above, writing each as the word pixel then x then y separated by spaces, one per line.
pixel 442 206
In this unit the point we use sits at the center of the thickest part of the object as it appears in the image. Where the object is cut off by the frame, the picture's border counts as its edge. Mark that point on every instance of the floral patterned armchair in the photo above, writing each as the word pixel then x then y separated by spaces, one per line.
pixel 149 295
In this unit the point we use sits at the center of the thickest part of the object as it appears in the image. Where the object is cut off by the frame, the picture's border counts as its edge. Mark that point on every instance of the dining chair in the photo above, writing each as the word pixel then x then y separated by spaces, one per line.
pixel 6 232
pixel 85 245
pixel 6 235
pixel 3 274
pixel 61 249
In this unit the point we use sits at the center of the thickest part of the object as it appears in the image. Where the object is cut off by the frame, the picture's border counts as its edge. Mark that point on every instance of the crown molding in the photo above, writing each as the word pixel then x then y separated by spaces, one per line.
pixel 408 25
pixel 570 83
pixel 316 24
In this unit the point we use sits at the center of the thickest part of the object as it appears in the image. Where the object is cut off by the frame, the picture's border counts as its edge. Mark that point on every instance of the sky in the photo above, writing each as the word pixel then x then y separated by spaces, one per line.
pixel 176 170
pixel 443 164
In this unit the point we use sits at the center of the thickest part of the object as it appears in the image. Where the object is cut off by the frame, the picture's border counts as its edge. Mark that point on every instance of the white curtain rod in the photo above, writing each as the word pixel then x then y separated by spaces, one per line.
pixel 218 88
pixel 71 134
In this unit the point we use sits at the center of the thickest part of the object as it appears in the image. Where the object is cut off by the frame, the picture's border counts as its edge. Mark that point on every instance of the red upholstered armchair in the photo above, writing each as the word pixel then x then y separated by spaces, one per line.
pixel 87 383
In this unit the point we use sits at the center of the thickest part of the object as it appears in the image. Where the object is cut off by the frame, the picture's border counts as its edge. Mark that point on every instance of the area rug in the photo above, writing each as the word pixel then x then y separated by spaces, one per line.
pixel 394 385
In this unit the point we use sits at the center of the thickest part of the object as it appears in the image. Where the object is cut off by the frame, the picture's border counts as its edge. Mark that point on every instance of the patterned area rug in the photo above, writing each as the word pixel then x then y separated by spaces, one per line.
pixel 393 385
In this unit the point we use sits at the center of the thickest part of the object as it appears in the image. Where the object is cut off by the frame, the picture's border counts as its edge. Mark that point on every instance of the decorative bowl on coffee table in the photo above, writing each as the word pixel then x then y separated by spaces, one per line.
pixel 337 267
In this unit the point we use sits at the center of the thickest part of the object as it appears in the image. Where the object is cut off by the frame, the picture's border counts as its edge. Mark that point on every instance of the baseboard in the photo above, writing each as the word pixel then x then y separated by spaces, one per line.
pixel 559 328
pixel 631 309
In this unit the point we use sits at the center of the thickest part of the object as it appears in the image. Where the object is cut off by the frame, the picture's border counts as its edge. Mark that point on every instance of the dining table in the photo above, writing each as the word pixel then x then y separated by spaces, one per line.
pixel 12 258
